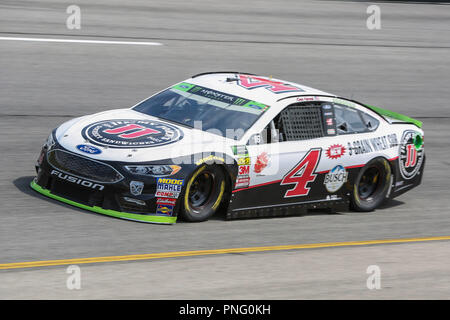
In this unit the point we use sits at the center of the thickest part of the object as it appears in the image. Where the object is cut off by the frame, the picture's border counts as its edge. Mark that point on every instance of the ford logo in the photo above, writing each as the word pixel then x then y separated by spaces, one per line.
pixel 88 149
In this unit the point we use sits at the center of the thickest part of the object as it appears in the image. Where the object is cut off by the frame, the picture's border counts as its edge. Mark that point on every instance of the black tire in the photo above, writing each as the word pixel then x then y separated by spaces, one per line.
pixel 203 193
pixel 372 185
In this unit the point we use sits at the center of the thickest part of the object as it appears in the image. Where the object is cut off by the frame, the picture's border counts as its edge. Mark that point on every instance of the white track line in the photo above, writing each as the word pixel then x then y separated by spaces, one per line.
pixel 82 41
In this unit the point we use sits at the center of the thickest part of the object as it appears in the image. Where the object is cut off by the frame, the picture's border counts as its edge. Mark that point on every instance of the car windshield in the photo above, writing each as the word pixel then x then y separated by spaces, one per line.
pixel 205 109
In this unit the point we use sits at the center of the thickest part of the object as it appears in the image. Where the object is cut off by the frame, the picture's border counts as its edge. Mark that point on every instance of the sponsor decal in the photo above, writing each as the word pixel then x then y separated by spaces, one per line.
pixel 242 182
pixel 240 151
pixel 328 119
pixel 131 133
pixel 178 182
pixel 410 154
pixel 243 161
pixel 335 179
pixel 164 209
pixel 400 183
pixel 168 201
pixel 256 105
pixel 136 187
pixel 252 82
pixel 167 194
pixel 364 146
pixel 88 149
pixel 135 201
pixel 168 188
pixel 345 102
pixel 220 96
pixel 210 159
pixel 261 162
pixel 76 180
pixel 243 170
pixel 332 197
pixel 335 151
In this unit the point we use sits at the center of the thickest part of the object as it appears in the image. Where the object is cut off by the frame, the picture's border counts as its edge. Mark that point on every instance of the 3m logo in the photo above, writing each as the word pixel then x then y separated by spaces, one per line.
pixel 143 131
pixel 244 170
pixel 251 82
pixel 411 156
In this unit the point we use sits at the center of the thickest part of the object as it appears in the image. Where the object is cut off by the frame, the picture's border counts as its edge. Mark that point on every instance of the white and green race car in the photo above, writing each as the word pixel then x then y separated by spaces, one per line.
pixel 236 143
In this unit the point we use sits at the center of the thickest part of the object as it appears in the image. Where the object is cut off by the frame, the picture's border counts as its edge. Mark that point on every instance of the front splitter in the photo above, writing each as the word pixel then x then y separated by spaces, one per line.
pixel 108 212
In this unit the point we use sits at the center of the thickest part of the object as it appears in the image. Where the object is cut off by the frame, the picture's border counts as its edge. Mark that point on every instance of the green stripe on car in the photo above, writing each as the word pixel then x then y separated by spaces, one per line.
pixel 395 115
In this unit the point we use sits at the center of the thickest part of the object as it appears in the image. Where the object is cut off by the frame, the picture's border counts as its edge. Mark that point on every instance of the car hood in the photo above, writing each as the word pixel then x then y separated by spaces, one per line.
pixel 126 135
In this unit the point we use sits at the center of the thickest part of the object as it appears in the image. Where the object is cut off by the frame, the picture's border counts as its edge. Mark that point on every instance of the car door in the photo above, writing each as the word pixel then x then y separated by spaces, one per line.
pixel 288 156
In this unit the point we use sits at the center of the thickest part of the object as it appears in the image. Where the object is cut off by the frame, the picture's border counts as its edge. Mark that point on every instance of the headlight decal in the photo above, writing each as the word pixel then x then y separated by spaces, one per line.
pixel 154 170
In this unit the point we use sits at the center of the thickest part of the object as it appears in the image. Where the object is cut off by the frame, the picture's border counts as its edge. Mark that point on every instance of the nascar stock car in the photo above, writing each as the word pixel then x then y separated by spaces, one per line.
pixel 235 143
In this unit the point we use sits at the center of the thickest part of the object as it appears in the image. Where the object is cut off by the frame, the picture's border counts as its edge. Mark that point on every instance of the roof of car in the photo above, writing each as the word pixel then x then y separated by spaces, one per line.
pixel 262 89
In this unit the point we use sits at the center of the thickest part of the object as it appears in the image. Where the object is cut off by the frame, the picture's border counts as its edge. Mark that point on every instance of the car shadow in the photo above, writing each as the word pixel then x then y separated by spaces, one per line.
pixel 391 204
pixel 23 185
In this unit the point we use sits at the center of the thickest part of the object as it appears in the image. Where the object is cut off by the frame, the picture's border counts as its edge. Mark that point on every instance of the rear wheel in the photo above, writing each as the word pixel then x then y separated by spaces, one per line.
pixel 372 185
pixel 203 193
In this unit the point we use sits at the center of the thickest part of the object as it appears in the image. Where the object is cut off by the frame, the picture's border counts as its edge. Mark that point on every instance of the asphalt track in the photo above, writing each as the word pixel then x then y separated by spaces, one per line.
pixel 404 67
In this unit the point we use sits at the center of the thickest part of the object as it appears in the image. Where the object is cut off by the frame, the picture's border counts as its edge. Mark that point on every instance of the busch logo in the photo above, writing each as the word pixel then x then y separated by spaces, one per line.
pixel 335 179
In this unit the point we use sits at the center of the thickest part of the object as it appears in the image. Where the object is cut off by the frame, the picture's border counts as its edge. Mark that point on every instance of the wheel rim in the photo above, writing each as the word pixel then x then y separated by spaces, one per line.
pixel 201 190
pixel 369 183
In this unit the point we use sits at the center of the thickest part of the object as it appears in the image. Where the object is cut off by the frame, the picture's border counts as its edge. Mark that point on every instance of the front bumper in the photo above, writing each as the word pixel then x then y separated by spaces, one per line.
pixel 112 199
pixel 108 212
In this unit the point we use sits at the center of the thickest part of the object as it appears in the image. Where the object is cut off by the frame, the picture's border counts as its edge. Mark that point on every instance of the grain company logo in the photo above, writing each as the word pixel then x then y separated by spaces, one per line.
pixel 335 151
pixel 411 154
pixel 131 133
pixel 335 179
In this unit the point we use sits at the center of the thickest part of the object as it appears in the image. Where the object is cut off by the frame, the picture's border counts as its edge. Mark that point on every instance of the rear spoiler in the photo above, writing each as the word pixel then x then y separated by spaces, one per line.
pixel 395 115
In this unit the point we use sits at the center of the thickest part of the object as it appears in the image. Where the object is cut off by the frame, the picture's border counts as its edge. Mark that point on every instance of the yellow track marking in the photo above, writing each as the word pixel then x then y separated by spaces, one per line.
pixel 136 257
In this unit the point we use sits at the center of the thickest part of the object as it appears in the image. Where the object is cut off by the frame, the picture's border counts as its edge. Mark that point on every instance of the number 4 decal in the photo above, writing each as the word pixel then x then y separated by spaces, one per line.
pixel 302 174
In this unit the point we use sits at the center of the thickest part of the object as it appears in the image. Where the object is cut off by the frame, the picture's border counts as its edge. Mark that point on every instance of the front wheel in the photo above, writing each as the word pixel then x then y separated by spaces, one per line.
pixel 372 185
pixel 203 193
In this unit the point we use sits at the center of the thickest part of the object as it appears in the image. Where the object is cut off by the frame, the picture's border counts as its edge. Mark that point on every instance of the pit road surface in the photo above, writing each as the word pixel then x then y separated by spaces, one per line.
pixel 404 67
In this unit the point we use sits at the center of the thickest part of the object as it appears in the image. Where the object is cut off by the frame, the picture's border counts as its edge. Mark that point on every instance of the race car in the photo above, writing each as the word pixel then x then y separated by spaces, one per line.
pixel 233 143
